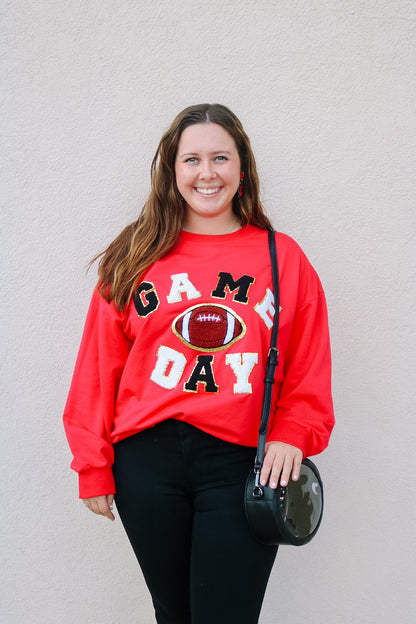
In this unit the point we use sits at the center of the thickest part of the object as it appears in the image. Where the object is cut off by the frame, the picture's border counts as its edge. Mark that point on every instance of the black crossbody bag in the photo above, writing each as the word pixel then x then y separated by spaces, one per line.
pixel 284 515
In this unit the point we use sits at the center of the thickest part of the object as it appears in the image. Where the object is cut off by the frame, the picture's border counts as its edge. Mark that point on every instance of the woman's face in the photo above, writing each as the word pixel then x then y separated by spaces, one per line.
pixel 207 170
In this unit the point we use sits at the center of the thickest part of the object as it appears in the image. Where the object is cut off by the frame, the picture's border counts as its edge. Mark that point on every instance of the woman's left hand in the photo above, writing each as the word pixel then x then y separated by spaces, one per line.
pixel 282 460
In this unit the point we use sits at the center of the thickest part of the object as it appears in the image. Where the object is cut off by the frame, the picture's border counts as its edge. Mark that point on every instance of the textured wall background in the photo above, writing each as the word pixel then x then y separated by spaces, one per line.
pixel 326 91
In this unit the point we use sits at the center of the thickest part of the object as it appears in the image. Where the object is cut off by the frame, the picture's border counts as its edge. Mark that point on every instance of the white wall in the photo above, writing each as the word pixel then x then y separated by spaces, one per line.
pixel 326 91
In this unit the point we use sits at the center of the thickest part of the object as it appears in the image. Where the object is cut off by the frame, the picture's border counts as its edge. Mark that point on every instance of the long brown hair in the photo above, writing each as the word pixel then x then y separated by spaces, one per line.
pixel 157 229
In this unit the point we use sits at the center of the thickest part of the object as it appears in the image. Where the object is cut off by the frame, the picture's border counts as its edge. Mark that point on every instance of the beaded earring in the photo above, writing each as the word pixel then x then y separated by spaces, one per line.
pixel 240 188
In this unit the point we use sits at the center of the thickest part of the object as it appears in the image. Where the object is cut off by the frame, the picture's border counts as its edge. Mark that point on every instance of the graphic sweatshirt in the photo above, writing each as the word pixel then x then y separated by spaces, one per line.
pixel 192 345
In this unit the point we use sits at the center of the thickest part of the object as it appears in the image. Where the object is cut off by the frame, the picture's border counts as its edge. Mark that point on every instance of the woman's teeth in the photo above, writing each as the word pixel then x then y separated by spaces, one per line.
pixel 207 191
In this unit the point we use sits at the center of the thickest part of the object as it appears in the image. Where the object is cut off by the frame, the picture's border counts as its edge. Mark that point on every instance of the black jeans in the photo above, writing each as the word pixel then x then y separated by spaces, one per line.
pixel 180 498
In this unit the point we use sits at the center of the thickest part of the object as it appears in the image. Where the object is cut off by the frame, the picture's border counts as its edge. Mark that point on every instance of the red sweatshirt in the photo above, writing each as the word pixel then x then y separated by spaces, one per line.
pixel 192 345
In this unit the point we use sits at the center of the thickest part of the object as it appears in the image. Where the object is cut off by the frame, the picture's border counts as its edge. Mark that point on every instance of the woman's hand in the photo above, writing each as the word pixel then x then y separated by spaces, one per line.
pixel 101 505
pixel 282 460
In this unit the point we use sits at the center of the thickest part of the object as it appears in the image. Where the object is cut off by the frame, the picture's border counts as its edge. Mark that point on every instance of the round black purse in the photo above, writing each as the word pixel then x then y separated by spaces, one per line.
pixel 285 515
pixel 290 514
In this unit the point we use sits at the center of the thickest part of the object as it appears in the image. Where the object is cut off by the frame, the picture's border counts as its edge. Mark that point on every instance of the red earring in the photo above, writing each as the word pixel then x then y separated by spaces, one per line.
pixel 240 189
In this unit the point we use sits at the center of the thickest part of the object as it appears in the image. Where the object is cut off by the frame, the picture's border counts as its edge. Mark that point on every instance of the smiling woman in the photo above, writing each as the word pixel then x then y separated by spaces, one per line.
pixel 208 170
pixel 165 402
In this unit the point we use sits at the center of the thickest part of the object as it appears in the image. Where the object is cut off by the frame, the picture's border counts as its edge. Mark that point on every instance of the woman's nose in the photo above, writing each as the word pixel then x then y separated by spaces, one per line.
pixel 207 172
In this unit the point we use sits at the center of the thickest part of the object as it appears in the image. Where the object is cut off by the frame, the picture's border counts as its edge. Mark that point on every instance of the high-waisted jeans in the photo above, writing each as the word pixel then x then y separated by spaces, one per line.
pixel 180 498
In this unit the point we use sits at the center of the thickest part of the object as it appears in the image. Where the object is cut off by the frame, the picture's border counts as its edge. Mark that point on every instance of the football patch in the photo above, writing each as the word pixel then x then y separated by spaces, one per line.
pixel 207 327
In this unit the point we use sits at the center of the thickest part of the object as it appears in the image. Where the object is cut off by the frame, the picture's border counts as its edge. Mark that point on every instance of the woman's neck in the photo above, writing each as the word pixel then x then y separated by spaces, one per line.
pixel 212 226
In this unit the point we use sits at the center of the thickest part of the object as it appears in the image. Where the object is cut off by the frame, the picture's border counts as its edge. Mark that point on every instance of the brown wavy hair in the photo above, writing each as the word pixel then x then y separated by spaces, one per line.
pixel 156 231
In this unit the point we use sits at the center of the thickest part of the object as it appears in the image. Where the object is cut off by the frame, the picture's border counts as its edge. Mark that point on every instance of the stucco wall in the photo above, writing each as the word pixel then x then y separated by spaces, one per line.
pixel 326 92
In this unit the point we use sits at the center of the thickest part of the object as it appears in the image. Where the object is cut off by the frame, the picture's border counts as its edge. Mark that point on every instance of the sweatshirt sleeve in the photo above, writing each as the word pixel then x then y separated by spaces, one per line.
pixel 89 410
pixel 304 415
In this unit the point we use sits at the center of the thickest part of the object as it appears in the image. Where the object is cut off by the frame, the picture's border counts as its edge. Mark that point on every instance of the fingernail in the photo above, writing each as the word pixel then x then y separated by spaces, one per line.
pixel 283 482
pixel 273 484
pixel 263 481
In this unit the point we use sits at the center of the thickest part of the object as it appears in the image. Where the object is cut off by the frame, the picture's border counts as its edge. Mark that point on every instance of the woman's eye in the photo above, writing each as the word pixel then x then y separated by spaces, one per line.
pixel 192 160
pixel 222 158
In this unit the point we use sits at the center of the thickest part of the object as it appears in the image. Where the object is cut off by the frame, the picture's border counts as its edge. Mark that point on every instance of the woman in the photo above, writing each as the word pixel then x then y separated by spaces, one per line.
pixel 164 406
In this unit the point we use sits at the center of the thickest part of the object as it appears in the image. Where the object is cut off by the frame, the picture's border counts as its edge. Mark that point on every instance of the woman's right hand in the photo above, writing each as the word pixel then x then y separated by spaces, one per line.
pixel 101 505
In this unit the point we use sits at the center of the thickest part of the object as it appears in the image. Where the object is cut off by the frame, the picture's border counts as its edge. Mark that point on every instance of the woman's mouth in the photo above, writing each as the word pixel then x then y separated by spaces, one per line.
pixel 207 191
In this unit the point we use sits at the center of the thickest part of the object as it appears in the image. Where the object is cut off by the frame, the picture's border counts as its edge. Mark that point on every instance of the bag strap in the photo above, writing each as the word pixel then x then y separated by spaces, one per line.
pixel 272 359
